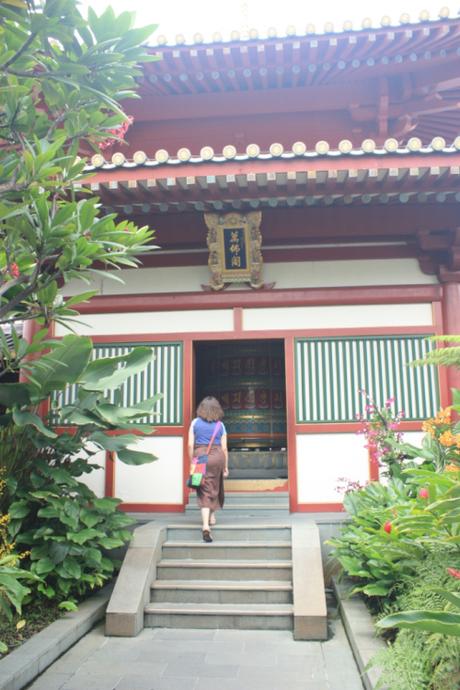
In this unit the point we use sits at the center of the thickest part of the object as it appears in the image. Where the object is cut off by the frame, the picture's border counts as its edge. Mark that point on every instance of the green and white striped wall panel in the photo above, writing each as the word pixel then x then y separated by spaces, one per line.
pixel 331 372
pixel 163 375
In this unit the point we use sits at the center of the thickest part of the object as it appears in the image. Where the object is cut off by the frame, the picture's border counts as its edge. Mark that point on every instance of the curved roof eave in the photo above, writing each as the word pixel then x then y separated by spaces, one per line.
pixel 366 25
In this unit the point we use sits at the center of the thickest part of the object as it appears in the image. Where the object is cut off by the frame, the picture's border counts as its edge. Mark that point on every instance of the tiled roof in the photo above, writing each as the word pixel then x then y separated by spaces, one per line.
pixel 299 149
pixel 405 19
pixel 278 178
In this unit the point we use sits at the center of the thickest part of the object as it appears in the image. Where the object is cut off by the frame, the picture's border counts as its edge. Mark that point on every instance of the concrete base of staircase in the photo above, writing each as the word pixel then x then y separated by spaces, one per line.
pixel 310 610
pixel 125 612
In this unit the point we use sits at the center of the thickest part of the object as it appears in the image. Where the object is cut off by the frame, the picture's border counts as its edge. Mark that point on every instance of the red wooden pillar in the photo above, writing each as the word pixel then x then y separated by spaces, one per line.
pixel 451 317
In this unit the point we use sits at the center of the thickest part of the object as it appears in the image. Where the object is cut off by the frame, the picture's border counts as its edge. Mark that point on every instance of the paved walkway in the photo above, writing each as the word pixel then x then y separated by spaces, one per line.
pixel 165 659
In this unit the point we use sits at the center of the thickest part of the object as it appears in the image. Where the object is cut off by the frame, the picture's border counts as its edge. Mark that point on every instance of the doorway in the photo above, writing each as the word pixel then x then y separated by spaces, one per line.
pixel 248 378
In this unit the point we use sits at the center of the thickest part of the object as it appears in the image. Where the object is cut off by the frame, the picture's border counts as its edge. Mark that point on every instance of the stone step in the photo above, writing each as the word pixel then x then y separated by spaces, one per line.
pixel 233 550
pixel 180 569
pixel 216 616
pixel 222 592
pixel 257 460
pixel 251 497
pixel 233 532
pixel 258 474
pixel 247 509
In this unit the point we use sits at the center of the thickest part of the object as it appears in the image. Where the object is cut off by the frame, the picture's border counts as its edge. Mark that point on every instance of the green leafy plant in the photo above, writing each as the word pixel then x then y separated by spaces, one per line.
pixel 446 356
pixel 419 657
pixel 393 526
pixel 12 590
pixel 61 77
pixel 445 622
pixel 369 548
pixel 67 529
pixel 93 415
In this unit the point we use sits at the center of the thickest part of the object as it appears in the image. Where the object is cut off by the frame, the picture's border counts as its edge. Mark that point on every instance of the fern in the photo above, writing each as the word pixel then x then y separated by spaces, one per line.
pixel 447 356
pixel 423 660
pixel 404 664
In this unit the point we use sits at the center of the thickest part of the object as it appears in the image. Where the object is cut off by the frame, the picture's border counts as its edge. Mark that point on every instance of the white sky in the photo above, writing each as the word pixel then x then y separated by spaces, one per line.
pixel 207 16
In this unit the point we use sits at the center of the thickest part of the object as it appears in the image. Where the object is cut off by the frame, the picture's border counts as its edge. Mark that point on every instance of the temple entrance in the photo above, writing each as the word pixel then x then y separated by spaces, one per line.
pixel 248 378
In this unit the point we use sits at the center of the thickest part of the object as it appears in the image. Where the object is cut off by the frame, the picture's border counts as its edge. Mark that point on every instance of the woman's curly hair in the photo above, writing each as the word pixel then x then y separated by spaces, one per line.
pixel 209 409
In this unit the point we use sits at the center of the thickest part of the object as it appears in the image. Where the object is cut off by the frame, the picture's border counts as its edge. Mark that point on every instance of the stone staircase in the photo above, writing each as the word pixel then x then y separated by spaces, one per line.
pixel 242 580
pixel 263 571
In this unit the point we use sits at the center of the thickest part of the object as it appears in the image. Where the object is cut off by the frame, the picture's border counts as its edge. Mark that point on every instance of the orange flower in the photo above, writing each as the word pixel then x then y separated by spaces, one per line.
pixel 444 416
pixel 447 439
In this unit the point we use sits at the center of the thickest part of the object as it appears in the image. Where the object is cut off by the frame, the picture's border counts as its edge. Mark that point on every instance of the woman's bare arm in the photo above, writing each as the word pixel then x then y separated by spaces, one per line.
pixel 191 442
pixel 223 442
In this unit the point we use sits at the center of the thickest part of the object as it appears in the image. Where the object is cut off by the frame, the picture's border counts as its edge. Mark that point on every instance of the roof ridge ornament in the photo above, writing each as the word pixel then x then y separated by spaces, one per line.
pixel 291 31
pixel 413 146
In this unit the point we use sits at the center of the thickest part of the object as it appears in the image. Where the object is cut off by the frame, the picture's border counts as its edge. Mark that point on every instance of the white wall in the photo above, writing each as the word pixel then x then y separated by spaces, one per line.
pixel 348 316
pixel 346 273
pixel 322 459
pixel 158 482
pixel 271 318
pixel 293 274
pixel 205 321
pixel 96 479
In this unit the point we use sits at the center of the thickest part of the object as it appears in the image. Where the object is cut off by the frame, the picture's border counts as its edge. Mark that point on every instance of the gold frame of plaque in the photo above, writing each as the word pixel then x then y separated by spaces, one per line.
pixel 234 241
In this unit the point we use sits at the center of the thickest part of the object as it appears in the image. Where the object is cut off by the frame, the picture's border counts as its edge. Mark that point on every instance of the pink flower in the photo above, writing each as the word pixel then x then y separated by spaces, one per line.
pixel 14 270
pixel 423 493
pixel 454 573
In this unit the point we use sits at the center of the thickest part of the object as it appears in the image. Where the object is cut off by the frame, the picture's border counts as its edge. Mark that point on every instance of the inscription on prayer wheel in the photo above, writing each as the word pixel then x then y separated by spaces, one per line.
pixel 248 379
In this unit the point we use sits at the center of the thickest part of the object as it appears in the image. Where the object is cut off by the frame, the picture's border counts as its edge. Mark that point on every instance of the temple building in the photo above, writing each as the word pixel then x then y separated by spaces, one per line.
pixel 305 194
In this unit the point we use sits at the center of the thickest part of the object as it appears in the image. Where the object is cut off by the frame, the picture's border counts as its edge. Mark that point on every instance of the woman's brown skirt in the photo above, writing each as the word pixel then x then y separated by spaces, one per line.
pixel 211 492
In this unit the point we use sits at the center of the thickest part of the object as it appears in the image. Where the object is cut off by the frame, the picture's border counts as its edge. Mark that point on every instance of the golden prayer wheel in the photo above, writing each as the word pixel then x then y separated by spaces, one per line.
pixel 248 379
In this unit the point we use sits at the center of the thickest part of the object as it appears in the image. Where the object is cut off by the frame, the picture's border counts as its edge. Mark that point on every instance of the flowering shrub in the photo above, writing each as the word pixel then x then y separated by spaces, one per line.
pixel 346 485
pixel 380 427
pixel 442 430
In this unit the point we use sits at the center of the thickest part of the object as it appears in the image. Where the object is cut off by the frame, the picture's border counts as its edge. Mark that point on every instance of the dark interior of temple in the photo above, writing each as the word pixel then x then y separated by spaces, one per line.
pixel 248 379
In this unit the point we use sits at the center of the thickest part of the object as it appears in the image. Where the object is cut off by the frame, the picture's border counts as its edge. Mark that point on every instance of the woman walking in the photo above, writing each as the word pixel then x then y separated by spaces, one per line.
pixel 210 495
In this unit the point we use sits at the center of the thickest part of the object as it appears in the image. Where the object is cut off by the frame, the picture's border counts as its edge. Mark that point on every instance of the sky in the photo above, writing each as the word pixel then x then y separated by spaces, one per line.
pixel 188 17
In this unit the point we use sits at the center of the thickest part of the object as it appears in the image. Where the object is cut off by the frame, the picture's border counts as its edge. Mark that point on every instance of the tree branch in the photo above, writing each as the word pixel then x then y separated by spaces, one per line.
pixel 19 52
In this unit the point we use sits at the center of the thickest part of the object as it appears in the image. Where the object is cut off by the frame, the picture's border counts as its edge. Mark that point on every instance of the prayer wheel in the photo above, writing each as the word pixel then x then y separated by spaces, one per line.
pixel 248 379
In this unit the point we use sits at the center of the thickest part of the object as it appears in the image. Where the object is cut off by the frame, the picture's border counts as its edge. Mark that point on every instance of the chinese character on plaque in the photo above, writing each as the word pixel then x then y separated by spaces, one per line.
pixel 234 242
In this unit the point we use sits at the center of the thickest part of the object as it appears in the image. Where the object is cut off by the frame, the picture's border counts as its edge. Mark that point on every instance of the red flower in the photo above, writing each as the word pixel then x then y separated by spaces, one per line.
pixel 454 573
pixel 423 493
pixel 119 132
pixel 388 527
pixel 14 270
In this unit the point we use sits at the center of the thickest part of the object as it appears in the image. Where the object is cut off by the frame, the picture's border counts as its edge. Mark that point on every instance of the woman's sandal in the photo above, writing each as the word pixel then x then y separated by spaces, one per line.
pixel 207 535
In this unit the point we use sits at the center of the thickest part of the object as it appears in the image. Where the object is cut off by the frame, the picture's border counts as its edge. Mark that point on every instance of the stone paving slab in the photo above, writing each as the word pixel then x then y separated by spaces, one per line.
pixel 171 659
pixel 36 654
